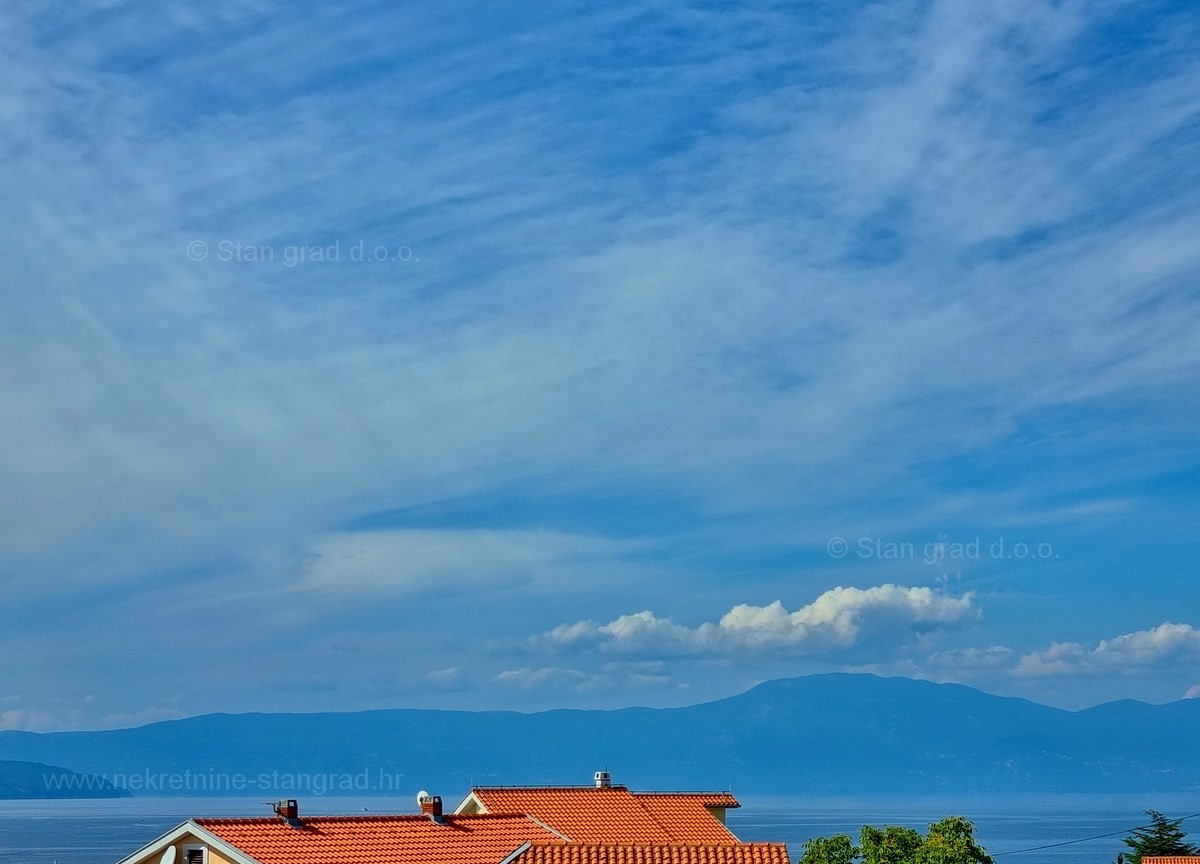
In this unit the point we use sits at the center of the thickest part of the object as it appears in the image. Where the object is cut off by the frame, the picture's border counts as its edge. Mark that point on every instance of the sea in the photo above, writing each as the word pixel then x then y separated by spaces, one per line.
pixel 1015 829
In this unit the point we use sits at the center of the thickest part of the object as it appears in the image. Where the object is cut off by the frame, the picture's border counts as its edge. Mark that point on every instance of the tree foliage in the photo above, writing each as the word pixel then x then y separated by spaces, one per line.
pixel 838 849
pixel 951 841
pixel 1162 836
pixel 890 845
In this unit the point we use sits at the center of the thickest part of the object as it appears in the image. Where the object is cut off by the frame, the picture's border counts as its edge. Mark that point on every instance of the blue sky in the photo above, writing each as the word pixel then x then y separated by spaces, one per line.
pixel 696 329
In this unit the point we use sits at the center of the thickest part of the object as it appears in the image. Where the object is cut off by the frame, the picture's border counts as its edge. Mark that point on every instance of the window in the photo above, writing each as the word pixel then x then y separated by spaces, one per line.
pixel 195 855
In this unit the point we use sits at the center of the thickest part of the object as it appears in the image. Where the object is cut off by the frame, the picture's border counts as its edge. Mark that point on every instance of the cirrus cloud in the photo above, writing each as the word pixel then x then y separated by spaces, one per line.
pixel 411 560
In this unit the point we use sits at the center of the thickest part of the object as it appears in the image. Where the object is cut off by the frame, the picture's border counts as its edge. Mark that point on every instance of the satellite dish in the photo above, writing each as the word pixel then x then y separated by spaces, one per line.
pixel 421 796
pixel 168 856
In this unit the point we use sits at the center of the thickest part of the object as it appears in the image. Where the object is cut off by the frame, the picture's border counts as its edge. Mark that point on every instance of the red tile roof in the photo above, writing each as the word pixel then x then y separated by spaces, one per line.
pixel 613 814
pixel 686 816
pixel 705 799
pixel 415 839
pixel 1171 859
pixel 674 853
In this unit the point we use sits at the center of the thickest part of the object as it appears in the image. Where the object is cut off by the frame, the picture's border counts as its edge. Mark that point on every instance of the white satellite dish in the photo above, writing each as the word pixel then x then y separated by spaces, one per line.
pixel 168 856
pixel 421 798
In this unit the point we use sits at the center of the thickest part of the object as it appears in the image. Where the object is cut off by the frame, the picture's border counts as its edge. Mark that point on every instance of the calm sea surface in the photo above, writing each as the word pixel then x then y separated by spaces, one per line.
pixel 102 832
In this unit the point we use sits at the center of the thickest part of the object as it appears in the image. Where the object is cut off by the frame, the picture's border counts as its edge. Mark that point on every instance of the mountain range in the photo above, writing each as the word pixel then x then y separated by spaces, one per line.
pixel 819 734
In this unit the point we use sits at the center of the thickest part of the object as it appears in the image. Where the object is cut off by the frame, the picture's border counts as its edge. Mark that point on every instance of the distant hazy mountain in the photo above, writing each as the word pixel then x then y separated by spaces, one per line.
pixel 34 780
pixel 818 734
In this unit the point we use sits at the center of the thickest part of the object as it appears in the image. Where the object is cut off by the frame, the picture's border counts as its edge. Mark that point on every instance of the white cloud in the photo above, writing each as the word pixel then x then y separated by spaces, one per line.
pixel 449 679
pixel 957 665
pixel 528 678
pixel 839 619
pixel 1165 645
pixel 612 676
pixel 58 718
pixel 33 720
pixel 408 561
pixel 972 659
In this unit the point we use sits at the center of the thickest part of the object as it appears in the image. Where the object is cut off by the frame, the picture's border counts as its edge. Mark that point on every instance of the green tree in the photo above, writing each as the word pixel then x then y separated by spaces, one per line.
pixel 891 845
pixel 951 841
pixel 838 849
pixel 1162 836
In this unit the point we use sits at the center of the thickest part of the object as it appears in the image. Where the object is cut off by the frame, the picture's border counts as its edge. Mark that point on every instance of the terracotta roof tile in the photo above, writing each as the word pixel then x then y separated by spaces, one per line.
pixel 1171 859
pixel 589 814
pixel 686 816
pixel 585 814
pixel 408 839
pixel 673 853
pixel 705 799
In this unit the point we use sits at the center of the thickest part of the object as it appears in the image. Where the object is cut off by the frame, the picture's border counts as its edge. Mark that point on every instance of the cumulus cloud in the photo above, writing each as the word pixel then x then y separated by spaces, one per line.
pixel 839 619
pixel 1167 644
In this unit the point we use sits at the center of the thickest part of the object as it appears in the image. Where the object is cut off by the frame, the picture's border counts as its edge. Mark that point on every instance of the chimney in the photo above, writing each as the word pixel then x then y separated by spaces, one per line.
pixel 289 810
pixel 431 806
pixel 603 780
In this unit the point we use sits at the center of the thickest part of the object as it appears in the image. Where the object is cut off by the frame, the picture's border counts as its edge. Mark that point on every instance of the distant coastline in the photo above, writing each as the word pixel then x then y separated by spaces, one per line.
pixel 823 734
pixel 37 781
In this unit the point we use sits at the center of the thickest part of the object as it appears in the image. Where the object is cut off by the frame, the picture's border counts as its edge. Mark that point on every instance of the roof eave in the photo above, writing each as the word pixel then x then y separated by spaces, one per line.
pixel 182 830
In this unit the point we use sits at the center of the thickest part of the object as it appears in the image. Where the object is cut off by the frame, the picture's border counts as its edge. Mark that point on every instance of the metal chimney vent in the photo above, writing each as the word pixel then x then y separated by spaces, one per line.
pixel 289 809
pixel 603 780
pixel 431 806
